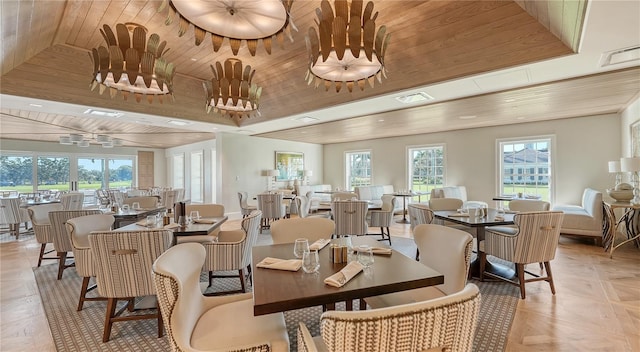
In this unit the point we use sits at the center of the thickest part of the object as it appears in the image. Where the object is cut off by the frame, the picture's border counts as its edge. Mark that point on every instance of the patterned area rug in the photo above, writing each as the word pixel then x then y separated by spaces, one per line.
pixel 6 236
pixel 82 331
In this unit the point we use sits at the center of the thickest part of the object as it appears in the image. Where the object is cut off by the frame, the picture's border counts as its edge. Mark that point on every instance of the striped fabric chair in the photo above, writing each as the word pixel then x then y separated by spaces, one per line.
pixel 198 323
pixel 61 240
pixel 169 198
pixel 350 217
pixel 419 214
pixel 535 241
pixel 79 230
pixel 125 271
pixel 384 217
pixel 205 211
pixel 146 202
pixel 72 201
pixel 313 229
pixel 12 215
pixel 272 208
pixel 39 215
pixel 442 324
pixel 232 252
pixel 245 208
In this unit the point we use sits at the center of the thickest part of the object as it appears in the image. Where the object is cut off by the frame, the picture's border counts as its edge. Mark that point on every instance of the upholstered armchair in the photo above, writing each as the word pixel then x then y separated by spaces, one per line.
pixel 350 217
pixel 61 240
pixel 198 323
pixel 419 214
pixel 11 214
pixel 146 202
pixel 39 215
pixel 245 208
pixel 584 219
pixel 535 241
pixel 79 230
pixel 384 217
pixel 443 249
pixel 272 208
pixel 232 252
pixel 442 324
pixel 313 229
pixel 168 198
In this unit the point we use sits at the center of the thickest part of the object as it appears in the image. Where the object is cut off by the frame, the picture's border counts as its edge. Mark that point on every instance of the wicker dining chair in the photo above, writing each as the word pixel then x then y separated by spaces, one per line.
pixel 72 201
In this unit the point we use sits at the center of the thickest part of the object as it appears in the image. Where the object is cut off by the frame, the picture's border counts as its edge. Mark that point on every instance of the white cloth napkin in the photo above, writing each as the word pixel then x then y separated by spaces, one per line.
pixel 499 218
pixel 376 250
pixel 280 264
pixel 459 215
pixel 204 221
pixel 319 244
pixel 343 276
pixel 171 226
pixel 144 223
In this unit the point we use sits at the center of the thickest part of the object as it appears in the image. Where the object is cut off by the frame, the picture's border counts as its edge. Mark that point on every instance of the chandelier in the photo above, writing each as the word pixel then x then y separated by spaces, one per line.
pixel 346 48
pixel 131 64
pixel 246 20
pixel 79 139
pixel 231 92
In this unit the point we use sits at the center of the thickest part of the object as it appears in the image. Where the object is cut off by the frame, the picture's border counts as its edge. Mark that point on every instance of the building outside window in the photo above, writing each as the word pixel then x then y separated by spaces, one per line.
pixel 525 167
pixel 358 169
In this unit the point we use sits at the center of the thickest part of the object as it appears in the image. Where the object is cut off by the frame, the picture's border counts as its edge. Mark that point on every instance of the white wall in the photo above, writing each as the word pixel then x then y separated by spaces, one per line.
pixel 583 147
pixel 630 115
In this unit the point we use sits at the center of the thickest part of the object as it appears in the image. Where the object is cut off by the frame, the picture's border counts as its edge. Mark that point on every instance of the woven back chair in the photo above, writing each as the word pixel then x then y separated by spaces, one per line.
pixel 169 198
pixel 198 323
pixel 13 215
pixel 350 217
pixel 72 201
pixel 535 241
pixel 125 271
pixel 61 240
pixel 384 217
pixel 79 230
pixel 442 324
pixel 232 252
pixel 313 229
pixel 39 215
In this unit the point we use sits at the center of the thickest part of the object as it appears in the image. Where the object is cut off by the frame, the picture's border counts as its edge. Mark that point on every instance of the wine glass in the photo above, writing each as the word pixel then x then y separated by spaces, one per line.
pixel 135 206
pixel 194 215
pixel 365 255
pixel 300 246
pixel 310 262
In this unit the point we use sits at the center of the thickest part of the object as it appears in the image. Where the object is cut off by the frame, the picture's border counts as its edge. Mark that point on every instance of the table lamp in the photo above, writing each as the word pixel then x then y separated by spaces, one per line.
pixel 632 165
pixel 614 167
pixel 306 174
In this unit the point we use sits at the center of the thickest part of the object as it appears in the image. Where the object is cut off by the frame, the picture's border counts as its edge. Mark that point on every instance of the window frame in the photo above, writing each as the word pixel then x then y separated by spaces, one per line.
pixel 411 149
pixel 347 167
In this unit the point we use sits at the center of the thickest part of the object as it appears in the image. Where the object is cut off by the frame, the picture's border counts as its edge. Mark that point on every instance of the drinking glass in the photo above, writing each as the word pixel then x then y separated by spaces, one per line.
pixel 300 246
pixel 310 262
pixel 125 207
pixel 135 206
pixel 194 215
pixel 365 255
pixel 151 220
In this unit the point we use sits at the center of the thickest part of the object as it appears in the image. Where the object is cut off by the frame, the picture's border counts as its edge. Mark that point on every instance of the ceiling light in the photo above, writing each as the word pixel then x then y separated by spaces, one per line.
pixel 131 64
pixel 414 98
pixel 230 91
pixel 79 139
pixel 305 119
pixel 509 100
pixel 467 117
pixel 237 21
pixel 103 138
pixel 65 140
pixel 35 105
pixel 345 49
pixel 76 138
pixel 83 143
pixel 178 123
pixel 116 142
pixel 103 113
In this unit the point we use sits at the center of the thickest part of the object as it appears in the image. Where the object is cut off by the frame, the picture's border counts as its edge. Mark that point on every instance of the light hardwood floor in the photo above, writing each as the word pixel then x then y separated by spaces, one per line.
pixel 596 306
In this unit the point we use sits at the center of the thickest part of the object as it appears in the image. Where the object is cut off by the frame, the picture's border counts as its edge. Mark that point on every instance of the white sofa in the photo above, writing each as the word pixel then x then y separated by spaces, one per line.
pixel 458 192
pixel 584 219
pixel 374 195
pixel 318 200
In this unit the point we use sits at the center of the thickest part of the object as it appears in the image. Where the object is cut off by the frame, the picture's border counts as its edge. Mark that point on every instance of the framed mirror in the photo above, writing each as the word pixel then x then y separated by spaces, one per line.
pixel 290 165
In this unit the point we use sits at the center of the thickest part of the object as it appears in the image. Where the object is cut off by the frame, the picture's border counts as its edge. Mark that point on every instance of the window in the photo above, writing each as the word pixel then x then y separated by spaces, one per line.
pixel 53 173
pixel 16 173
pixel 426 168
pixel 197 186
pixel 120 173
pixel 358 169
pixel 178 171
pixel 525 166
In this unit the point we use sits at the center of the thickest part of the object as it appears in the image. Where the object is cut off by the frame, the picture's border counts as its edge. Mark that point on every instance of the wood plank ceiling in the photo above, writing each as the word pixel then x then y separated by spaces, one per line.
pixel 45 46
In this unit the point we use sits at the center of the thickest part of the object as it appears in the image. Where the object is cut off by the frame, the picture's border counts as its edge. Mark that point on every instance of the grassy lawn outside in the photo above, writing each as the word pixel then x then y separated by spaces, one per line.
pixel 507 190
pixel 65 186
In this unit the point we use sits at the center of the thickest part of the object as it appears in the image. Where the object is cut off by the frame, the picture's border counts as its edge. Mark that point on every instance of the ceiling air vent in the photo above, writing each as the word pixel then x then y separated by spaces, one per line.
pixel 305 119
pixel 103 113
pixel 620 56
pixel 414 98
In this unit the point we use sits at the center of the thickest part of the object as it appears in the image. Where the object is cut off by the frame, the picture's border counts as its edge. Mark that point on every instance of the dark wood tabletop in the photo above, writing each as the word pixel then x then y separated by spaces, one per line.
pixel 279 291
pixel 192 229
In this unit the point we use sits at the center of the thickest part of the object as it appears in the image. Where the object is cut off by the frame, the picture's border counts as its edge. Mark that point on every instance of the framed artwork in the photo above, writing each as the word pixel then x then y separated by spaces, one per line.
pixel 635 139
pixel 290 165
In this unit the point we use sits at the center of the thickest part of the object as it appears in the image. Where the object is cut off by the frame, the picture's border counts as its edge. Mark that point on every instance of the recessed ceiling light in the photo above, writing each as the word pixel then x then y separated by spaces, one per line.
pixel 381 120
pixel 35 105
pixel 520 118
pixel 179 123
pixel 467 117
pixel 103 113
pixel 509 100
pixel 194 59
pixel 305 119
pixel 414 98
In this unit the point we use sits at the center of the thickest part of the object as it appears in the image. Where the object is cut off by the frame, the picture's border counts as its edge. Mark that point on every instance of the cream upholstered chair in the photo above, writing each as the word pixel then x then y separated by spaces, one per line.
pixel 61 240
pixel 584 219
pixel 272 208
pixel 245 208
pixel 72 200
pixel 304 208
pixel 168 198
pixel 419 214
pixel 206 211
pixel 125 271
pixel 146 202
pixel 314 201
pixel 535 241
pixel 79 230
pixel 313 229
pixel 198 323
pixel 39 215
pixel 528 205
pixel 232 251
pixel 443 249
pixel 350 217
pixel 384 217
pixel 442 324
pixel 13 215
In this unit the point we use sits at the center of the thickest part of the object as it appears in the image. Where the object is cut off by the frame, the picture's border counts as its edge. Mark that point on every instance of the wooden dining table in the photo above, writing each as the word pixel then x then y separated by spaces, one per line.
pixel 279 290
pixel 190 229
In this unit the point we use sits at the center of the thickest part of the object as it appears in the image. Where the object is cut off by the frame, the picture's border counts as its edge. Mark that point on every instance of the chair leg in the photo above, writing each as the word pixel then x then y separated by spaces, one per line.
pixel 249 271
pixel 242 283
pixel 547 267
pixel 111 310
pixel 417 254
pixel 160 321
pixel 42 249
pixel 62 262
pixel 482 257
pixel 210 278
pixel 83 292
pixel 520 273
